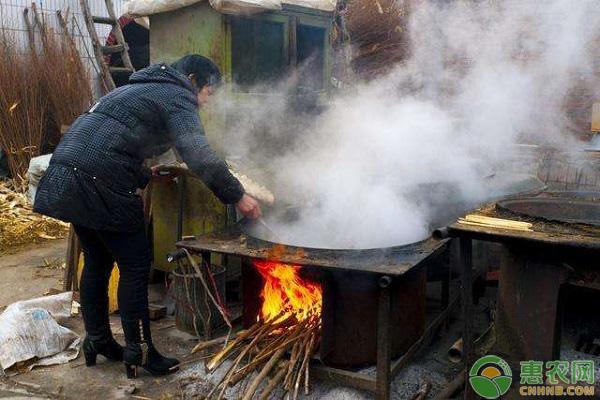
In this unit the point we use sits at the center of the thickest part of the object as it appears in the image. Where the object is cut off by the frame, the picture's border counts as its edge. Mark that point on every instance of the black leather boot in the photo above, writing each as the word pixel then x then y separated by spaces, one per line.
pixel 140 352
pixel 105 345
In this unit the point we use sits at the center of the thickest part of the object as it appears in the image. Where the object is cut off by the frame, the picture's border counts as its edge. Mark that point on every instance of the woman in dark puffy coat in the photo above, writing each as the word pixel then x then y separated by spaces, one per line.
pixel 92 182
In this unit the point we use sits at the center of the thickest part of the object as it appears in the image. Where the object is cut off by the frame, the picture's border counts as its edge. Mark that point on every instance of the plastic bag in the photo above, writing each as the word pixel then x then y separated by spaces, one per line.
pixel 31 329
pixel 37 169
pixel 140 8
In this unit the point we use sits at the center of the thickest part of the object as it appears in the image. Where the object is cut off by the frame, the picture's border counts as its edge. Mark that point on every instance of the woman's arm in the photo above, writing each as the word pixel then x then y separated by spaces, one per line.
pixel 187 133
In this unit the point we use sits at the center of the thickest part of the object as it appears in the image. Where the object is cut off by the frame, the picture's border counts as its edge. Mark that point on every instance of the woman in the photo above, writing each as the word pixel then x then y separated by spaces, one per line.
pixel 92 182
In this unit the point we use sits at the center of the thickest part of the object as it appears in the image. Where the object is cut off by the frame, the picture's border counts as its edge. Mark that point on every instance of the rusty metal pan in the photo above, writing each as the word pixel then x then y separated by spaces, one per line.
pixel 558 209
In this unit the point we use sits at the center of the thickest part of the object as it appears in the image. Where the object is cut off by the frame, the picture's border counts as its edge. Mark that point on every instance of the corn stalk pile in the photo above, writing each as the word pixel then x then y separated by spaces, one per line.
pixel 19 224
pixel 378 35
pixel 271 354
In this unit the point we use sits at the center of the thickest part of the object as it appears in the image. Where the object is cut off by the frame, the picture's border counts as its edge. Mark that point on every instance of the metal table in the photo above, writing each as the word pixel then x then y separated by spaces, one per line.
pixel 533 268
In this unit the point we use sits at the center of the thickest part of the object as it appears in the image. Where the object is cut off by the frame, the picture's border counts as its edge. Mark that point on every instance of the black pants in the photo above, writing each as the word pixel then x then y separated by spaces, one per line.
pixel 101 249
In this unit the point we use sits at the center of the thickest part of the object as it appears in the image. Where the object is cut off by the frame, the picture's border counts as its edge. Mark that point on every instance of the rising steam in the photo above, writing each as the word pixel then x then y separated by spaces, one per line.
pixel 384 158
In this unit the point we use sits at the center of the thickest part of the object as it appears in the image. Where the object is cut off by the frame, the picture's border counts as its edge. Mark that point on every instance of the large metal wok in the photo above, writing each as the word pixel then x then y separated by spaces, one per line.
pixel 443 199
pixel 567 207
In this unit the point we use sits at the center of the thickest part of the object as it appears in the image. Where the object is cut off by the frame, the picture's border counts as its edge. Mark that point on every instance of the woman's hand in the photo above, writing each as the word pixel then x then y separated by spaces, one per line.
pixel 249 207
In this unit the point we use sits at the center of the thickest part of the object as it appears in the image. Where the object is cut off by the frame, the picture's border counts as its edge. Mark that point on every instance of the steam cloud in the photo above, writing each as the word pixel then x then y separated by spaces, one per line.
pixel 377 167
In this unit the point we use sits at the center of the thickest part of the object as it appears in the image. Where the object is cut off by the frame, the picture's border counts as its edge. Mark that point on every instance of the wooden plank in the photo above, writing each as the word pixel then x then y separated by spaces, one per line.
pixel 113 49
pixel 72 261
pixel 157 311
pixel 119 35
pixel 104 20
pixel 120 70
pixel 107 80
pixel 343 377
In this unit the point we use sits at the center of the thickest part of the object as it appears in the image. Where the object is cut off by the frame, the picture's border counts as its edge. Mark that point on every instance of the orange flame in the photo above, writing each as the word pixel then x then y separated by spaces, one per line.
pixel 284 289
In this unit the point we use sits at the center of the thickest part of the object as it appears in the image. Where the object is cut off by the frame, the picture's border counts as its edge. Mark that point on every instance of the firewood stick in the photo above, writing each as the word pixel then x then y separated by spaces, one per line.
pixel 273 341
pixel 290 378
pixel 269 344
pixel 283 343
pixel 273 383
pixel 287 342
pixel 254 361
pixel 225 381
pixel 307 362
pixel 296 371
pixel 187 362
pixel 262 375
pixel 423 391
pixel 291 365
pixel 220 357
pixel 209 343
pixel 306 348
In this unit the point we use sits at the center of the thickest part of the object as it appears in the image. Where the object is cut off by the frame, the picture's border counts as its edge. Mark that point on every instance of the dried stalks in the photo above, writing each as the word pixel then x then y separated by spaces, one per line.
pixel 67 80
pixel 43 87
pixel 19 224
pixel 378 34
pixel 23 105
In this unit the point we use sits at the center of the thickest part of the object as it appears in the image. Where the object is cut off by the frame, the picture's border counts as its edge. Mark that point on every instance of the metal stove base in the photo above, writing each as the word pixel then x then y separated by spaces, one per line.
pixel 386 368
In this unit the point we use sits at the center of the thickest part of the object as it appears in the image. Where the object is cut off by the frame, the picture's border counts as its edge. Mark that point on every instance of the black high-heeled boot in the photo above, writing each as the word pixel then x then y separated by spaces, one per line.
pixel 140 352
pixel 105 345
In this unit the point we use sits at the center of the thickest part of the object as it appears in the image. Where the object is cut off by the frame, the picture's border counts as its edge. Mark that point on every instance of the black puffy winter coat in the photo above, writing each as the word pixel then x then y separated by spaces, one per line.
pixel 97 167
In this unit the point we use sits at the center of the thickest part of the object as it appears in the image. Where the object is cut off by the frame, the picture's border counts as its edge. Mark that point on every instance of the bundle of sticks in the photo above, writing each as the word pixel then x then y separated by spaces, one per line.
pixel 278 349
pixel 378 35
pixel 490 222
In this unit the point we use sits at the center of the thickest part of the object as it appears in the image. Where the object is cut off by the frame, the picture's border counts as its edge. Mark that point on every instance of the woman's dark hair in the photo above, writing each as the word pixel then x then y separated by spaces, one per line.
pixel 204 70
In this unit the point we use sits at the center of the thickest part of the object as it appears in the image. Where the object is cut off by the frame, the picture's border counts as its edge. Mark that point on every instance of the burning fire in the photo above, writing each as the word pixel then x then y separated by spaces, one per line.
pixel 284 289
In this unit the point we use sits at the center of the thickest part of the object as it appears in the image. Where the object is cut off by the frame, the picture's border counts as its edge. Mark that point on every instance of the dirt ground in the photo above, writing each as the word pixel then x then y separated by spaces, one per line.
pixel 25 276
pixel 28 269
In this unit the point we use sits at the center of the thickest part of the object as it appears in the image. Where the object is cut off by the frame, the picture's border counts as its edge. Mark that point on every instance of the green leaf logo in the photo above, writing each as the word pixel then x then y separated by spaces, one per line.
pixel 490 377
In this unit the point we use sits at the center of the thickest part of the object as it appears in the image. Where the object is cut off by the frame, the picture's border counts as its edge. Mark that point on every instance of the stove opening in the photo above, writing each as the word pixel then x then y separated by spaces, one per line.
pixel 342 304
pixel 276 291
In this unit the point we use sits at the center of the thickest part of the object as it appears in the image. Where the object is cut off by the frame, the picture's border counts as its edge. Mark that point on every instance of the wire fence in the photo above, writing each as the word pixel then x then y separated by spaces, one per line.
pixel 12 20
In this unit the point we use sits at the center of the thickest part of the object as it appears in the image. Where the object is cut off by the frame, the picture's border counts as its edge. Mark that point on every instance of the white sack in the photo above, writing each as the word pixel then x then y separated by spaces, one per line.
pixel 37 169
pixel 323 5
pixel 136 8
pixel 140 8
pixel 31 329
pixel 241 7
